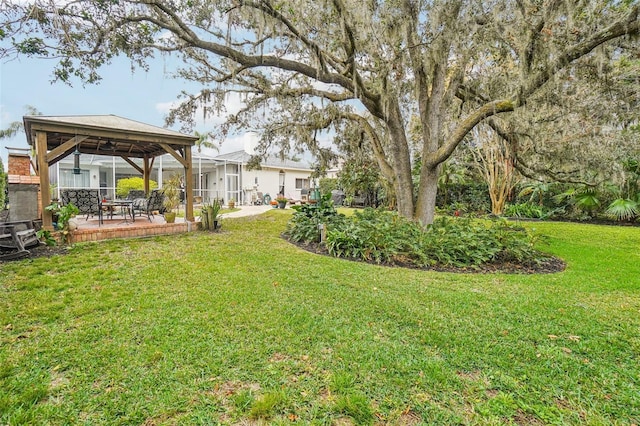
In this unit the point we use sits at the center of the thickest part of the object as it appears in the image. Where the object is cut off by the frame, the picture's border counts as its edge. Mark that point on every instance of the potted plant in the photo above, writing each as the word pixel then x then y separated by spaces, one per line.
pixel 232 203
pixel 171 190
pixel 282 201
pixel 274 204
pixel 214 209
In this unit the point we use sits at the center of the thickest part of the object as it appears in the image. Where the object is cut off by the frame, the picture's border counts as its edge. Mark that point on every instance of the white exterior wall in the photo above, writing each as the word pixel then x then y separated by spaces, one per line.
pixel 214 183
pixel 269 181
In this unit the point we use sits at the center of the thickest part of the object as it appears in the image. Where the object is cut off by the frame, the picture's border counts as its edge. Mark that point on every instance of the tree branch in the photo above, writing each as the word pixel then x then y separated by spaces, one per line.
pixel 487 110
pixel 627 26
pixel 376 144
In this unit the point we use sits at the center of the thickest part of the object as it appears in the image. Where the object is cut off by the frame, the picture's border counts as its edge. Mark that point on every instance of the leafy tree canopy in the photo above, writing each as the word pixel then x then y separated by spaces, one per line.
pixel 305 66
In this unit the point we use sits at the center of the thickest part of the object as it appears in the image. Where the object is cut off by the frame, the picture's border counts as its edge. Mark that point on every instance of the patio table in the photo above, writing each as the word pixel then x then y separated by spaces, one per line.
pixel 126 208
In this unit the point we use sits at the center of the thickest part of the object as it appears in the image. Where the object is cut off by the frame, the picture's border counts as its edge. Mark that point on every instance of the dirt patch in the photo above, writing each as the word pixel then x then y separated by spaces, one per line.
pixel 526 419
pixel 40 251
pixel 409 418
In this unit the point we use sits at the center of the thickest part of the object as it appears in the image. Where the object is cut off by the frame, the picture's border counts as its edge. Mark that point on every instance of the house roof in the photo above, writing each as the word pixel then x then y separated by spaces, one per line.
pixel 105 135
pixel 270 161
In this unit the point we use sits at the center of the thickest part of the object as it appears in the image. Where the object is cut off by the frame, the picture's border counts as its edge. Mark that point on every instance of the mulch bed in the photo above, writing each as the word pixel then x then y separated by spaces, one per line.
pixel 547 266
pixel 40 251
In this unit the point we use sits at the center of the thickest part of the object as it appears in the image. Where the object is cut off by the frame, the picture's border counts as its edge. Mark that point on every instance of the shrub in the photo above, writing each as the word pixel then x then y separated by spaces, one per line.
pixel 125 185
pixel 385 237
pixel 303 226
pixel 369 235
pixel 623 209
pixel 328 184
pixel 470 197
pixel 528 210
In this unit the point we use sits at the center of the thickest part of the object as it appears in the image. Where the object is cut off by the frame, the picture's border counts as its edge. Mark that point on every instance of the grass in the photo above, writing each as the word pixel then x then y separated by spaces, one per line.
pixel 180 212
pixel 240 327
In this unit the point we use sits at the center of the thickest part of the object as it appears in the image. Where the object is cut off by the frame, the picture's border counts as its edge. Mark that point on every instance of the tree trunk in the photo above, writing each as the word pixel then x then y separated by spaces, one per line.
pixel 426 205
pixel 401 162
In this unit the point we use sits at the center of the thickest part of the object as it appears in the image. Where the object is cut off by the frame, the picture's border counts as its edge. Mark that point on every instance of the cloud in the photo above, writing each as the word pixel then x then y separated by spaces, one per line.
pixel 6 117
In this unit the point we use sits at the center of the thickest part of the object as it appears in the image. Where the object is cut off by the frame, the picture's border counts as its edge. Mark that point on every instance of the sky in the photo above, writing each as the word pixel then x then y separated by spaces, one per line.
pixel 138 95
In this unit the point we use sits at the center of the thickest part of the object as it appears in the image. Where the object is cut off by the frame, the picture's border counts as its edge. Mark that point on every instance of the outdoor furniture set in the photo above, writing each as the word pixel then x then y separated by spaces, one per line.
pixel 18 236
pixel 89 202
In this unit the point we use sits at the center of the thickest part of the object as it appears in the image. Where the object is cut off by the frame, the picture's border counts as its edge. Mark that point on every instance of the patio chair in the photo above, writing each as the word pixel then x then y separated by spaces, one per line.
pixel 16 237
pixel 134 194
pixel 148 206
pixel 86 200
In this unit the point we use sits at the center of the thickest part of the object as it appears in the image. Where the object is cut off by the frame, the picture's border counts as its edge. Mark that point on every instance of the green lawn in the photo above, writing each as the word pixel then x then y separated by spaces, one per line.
pixel 241 327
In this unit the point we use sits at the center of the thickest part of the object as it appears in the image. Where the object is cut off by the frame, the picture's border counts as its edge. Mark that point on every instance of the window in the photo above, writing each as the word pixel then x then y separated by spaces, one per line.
pixel 281 180
pixel 70 180
pixel 302 183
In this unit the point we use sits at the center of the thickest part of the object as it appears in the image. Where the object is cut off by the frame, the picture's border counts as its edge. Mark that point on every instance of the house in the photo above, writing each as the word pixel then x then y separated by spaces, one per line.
pixel 96 151
pixel 225 176
pixel 275 176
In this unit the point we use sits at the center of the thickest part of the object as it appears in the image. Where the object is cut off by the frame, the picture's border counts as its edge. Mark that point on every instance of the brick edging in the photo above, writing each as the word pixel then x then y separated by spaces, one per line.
pixel 80 236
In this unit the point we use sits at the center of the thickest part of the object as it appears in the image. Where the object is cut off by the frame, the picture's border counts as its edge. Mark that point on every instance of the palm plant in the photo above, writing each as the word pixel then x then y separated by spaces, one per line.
pixel 171 189
pixel 582 197
pixel 450 174
pixel 535 191
pixel 623 209
pixel 627 207
pixel 204 140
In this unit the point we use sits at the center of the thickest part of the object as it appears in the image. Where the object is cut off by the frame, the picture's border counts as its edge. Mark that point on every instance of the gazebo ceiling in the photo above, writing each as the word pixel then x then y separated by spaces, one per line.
pixel 104 135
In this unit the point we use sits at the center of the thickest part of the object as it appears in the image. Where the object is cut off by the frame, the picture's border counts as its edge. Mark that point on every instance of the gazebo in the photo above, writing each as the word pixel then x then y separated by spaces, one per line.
pixel 56 137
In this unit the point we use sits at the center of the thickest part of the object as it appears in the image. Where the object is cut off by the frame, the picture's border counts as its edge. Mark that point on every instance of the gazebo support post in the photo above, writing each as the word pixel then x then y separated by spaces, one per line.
pixel 188 177
pixel 146 174
pixel 43 172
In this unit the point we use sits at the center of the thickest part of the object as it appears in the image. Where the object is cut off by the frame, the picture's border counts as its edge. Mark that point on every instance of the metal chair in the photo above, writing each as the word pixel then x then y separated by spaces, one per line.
pixel 259 199
pixel 304 195
pixel 148 206
pixel 134 194
pixel 86 200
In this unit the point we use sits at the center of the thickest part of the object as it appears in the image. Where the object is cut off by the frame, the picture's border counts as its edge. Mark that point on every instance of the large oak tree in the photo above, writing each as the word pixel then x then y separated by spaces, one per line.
pixel 304 66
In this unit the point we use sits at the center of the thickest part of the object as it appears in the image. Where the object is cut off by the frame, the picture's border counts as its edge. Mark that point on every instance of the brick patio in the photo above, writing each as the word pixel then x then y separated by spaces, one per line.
pixel 91 230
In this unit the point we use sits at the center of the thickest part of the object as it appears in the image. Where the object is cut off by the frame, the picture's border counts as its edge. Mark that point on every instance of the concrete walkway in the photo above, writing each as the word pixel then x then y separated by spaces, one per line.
pixel 247 211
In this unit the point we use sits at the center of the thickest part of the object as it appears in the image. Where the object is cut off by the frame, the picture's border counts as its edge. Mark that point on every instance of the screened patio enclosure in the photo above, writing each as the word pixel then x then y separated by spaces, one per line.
pixel 212 178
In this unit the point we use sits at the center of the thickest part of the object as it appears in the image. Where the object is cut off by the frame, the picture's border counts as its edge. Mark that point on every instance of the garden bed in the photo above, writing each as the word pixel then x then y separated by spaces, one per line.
pixel 546 266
